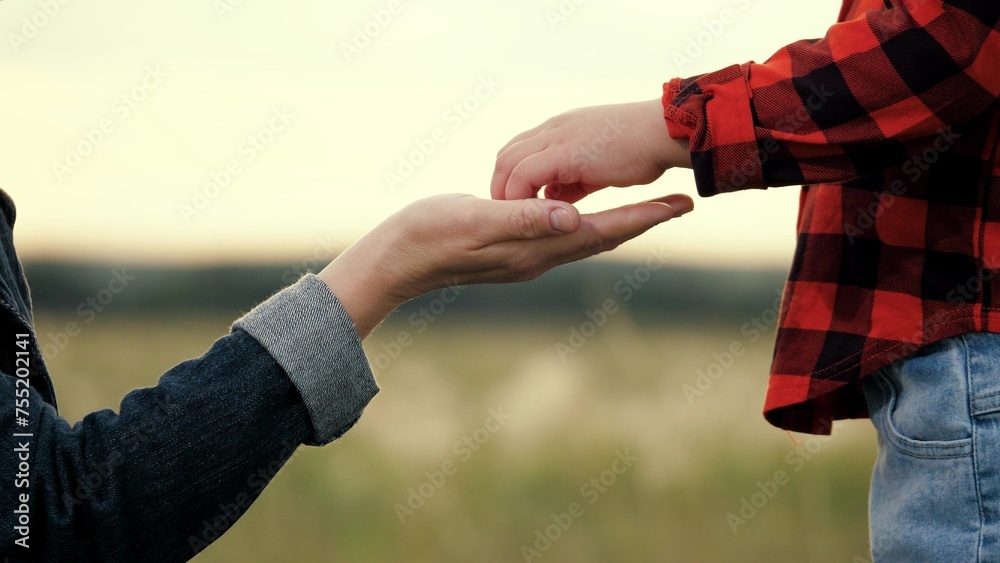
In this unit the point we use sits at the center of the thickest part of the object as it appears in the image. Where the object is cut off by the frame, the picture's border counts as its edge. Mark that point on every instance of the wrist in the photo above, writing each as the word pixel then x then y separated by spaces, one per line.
pixel 678 153
pixel 363 291
pixel 669 152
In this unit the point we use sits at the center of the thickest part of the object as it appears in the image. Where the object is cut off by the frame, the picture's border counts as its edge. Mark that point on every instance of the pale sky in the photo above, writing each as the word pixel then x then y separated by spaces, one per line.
pixel 180 88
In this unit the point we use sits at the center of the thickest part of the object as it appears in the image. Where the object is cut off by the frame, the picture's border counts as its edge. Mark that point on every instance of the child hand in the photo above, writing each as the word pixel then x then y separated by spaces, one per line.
pixel 579 152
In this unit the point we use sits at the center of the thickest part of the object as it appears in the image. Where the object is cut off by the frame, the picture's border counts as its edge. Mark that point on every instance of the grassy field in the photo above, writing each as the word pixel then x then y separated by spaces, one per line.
pixel 686 462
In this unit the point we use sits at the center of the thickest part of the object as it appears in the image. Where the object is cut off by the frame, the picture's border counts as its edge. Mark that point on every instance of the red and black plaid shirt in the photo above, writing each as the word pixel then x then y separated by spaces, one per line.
pixel 892 123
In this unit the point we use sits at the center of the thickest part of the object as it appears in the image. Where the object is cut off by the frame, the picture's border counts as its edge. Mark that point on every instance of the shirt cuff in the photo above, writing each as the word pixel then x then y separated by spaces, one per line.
pixel 308 332
pixel 680 124
pixel 713 111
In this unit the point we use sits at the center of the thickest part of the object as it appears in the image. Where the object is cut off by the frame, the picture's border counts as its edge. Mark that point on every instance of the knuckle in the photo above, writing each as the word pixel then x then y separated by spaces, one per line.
pixel 526 268
pixel 466 220
pixel 599 245
pixel 611 245
pixel 517 174
pixel 524 222
pixel 569 172
pixel 504 162
pixel 559 120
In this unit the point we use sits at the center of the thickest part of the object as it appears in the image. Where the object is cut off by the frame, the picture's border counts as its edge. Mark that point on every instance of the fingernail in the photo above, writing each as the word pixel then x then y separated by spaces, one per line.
pixel 670 212
pixel 561 220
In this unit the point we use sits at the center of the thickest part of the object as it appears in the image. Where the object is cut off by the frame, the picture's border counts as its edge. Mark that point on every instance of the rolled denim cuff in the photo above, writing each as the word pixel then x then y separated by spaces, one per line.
pixel 313 339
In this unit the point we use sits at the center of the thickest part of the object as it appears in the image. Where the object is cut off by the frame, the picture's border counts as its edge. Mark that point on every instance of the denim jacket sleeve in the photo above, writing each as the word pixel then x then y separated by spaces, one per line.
pixel 182 461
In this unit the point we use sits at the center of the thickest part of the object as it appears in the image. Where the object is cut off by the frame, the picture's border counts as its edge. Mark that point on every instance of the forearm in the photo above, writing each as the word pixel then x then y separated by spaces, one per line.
pixel 363 286
pixel 863 98
pixel 182 461
pixel 138 485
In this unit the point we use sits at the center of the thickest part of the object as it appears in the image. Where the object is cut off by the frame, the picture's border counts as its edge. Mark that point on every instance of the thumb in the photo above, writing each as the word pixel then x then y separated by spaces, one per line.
pixel 537 218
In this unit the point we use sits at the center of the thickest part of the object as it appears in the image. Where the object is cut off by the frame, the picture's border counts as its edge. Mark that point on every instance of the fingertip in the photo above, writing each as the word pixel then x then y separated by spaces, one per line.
pixel 660 211
pixel 680 203
pixel 537 218
pixel 564 218
pixel 562 221
pixel 498 185
pixel 682 206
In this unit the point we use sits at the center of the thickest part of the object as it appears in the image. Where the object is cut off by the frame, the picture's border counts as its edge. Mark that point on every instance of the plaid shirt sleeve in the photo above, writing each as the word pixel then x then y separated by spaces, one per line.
pixel 837 108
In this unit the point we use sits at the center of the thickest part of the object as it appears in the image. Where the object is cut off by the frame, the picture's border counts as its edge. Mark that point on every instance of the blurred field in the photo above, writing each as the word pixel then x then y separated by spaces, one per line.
pixel 620 393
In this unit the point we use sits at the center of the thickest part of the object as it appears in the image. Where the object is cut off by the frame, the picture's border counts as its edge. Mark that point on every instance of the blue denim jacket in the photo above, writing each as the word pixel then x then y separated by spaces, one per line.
pixel 180 462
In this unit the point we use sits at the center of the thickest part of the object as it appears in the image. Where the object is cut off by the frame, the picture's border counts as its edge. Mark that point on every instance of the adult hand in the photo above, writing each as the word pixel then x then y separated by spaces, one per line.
pixel 459 239
pixel 579 152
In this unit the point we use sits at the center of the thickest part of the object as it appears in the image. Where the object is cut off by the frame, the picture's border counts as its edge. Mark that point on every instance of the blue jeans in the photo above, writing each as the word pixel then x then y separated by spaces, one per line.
pixel 935 492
